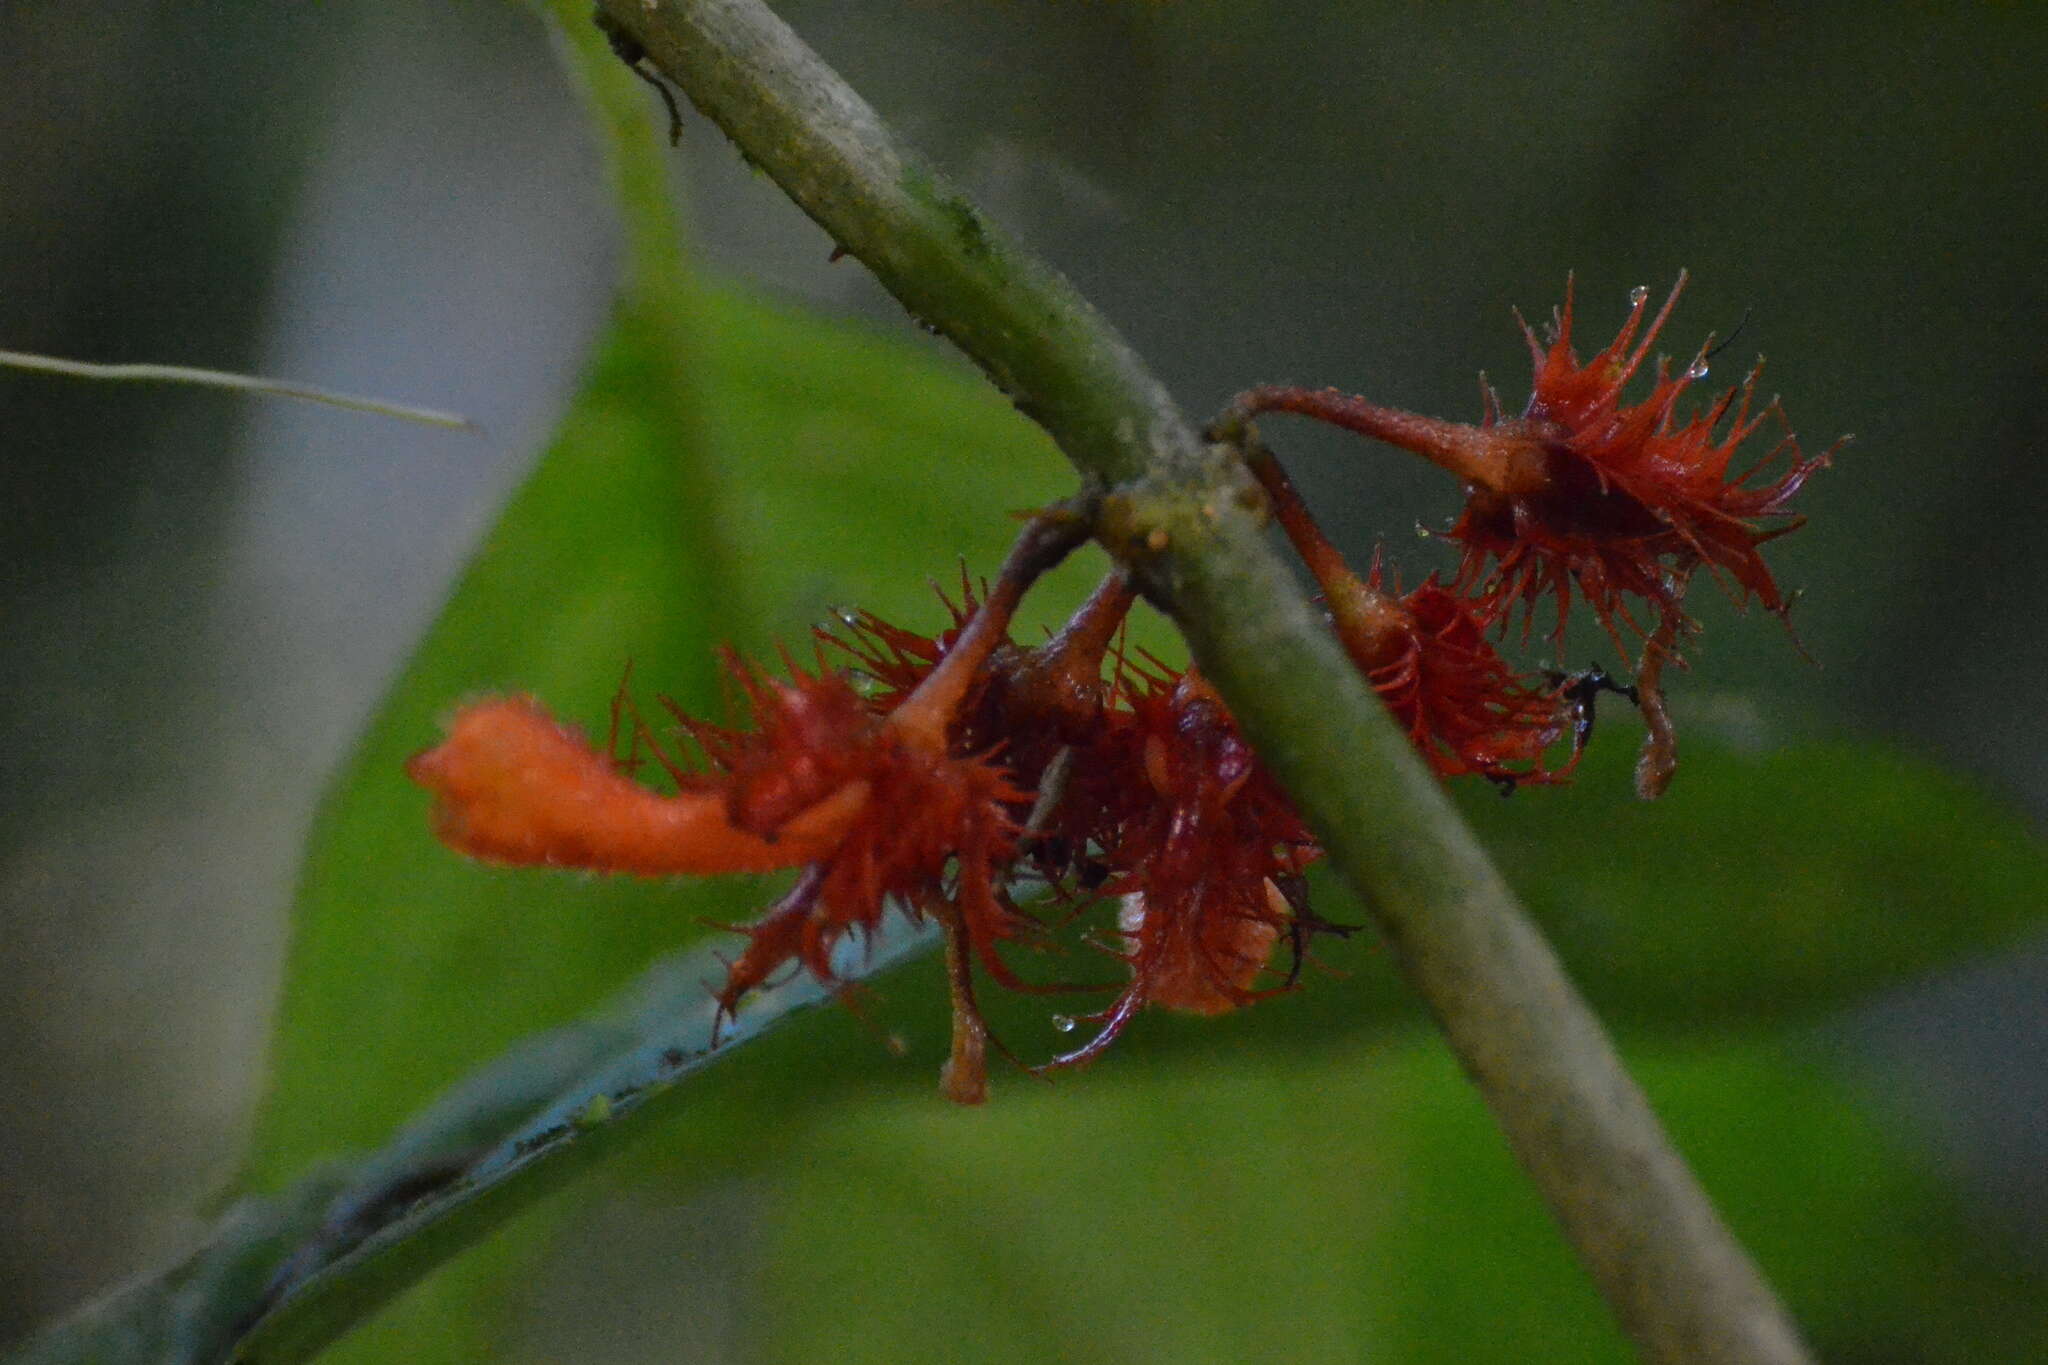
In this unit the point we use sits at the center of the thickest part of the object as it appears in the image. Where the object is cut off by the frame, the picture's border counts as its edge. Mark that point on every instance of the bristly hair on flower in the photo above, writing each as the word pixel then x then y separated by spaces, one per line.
pixel 1466 710
pixel 880 804
pixel 1196 840
pixel 1583 490
pixel 935 773
pixel 1586 493
pixel 1660 493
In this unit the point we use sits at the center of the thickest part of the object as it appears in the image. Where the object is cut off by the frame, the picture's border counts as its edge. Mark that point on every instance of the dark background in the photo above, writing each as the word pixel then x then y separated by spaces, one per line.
pixel 203 596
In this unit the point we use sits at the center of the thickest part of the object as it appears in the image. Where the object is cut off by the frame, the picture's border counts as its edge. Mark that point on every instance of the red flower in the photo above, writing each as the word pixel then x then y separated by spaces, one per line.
pixel 1197 838
pixel 882 799
pixel 1464 708
pixel 877 810
pixel 1427 656
pixel 1629 499
pixel 1582 490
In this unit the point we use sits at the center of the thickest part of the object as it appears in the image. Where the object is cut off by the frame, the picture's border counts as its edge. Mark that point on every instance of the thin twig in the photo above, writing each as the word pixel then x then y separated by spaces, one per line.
pixel 223 379
pixel 1185 520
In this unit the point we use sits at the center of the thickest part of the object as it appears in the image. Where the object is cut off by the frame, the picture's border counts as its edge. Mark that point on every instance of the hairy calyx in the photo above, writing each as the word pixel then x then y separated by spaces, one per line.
pixel 930 774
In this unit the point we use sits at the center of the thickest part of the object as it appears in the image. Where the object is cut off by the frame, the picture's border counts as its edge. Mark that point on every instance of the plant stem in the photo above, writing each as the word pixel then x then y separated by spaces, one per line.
pixel 1374 628
pixel 1187 522
pixel 1507 457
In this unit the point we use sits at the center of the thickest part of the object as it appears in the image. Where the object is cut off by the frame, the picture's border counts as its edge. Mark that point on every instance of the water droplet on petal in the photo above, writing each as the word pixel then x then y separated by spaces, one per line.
pixel 1696 370
pixel 1639 295
pixel 1063 1022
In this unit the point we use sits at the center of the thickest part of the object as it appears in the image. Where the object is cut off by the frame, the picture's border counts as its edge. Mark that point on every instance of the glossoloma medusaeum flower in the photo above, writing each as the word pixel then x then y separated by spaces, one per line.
pixel 937 774
pixel 1587 493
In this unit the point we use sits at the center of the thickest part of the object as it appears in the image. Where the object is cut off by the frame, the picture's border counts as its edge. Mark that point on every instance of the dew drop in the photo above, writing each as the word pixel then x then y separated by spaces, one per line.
pixel 1696 370
pixel 1422 532
pixel 1639 295
pixel 1063 1022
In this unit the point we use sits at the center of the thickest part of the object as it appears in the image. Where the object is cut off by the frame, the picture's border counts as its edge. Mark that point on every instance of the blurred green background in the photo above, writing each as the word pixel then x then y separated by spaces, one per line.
pixel 206 599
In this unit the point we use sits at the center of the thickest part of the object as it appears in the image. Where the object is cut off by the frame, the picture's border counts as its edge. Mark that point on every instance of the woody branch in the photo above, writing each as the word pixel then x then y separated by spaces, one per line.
pixel 1187 522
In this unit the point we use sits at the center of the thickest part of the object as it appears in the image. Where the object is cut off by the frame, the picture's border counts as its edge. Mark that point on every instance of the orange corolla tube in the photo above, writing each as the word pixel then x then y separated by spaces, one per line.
pixel 512 785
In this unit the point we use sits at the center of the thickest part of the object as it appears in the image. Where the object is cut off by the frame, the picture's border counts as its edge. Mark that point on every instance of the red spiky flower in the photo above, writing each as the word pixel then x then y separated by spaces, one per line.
pixel 875 810
pixel 1426 653
pixel 1584 492
pixel 880 804
pixel 1623 490
pixel 967 760
pixel 1197 840
pixel 1145 795
pixel 1459 701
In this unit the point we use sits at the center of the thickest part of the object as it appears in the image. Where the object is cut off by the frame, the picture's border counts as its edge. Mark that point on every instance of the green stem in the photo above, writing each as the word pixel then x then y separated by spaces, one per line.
pixel 1187 522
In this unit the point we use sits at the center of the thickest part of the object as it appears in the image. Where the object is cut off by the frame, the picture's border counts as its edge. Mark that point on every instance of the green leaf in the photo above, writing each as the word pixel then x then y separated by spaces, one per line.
pixel 412 965
pixel 726 475
pixel 584 1091
pixel 730 471
pixel 1352 1204
pixel 194 1311
pixel 279 1278
pixel 1766 889
pixel 1766 886
pixel 399 946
